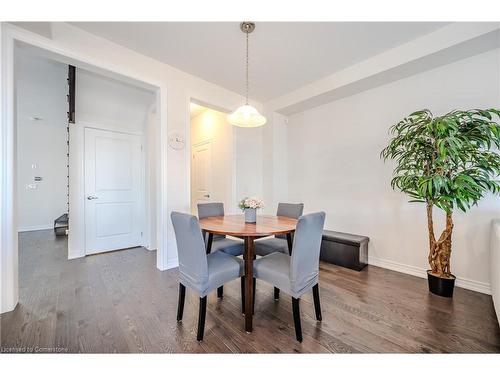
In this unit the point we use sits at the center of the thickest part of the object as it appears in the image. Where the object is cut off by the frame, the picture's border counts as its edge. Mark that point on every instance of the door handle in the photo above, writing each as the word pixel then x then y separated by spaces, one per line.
pixel 207 195
pixel 91 197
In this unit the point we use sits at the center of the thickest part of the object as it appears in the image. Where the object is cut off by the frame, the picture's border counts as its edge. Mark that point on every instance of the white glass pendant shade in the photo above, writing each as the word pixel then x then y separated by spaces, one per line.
pixel 246 116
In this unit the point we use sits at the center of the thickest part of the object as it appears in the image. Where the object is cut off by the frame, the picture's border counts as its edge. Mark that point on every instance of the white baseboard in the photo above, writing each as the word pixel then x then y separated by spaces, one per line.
pixel 73 256
pixel 35 227
pixel 172 263
pixel 476 286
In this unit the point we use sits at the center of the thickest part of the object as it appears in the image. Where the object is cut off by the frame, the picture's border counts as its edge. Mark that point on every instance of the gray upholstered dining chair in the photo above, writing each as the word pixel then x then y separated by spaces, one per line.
pixel 201 272
pixel 219 241
pixel 298 273
pixel 279 243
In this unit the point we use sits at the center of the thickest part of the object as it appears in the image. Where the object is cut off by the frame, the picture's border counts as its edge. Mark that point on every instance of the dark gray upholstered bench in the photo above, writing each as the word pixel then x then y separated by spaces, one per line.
pixel 344 249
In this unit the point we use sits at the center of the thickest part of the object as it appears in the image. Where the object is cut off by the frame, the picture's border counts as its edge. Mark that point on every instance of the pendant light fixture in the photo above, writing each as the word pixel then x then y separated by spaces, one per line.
pixel 246 116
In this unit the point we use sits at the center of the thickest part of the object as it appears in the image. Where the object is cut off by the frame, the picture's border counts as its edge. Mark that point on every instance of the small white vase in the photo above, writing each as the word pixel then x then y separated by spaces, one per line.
pixel 250 215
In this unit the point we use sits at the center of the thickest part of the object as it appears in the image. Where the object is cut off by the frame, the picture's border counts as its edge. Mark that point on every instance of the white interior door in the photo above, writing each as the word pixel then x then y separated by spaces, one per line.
pixel 112 191
pixel 201 189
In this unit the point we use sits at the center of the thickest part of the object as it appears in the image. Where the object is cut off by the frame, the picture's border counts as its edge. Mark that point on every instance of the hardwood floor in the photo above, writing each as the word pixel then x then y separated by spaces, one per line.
pixel 120 302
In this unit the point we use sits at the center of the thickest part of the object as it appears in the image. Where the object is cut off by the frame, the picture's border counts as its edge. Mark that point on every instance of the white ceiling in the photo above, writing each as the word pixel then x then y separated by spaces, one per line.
pixel 283 56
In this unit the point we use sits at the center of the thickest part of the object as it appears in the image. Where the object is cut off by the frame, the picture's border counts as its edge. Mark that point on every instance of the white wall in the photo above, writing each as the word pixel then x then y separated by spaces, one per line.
pixel 275 162
pixel 334 165
pixel 104 101
pixel 211 125
pixel 41 91
pixel 248 162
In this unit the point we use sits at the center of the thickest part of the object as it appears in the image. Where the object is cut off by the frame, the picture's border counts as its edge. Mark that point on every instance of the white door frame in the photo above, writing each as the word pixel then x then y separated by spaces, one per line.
pixel 193 147
pixel 76 238
pixel 188 150
pixel 9 268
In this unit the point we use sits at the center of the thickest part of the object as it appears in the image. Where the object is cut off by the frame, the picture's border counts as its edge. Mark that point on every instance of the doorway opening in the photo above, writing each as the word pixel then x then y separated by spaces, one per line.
pixel 85 157
pixel 212 158
pixel 155 237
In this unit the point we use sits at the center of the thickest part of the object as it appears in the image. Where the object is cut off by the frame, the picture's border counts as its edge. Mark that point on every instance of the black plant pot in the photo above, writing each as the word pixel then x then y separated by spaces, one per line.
pixel 441 286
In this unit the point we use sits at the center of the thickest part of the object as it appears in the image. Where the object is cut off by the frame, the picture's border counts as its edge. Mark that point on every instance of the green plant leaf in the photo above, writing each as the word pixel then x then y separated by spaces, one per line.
pixel 451 160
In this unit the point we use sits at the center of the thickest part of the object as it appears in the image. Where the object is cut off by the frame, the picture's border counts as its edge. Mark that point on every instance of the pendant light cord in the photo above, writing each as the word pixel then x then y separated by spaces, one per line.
pixel 247 116
pixel 246 96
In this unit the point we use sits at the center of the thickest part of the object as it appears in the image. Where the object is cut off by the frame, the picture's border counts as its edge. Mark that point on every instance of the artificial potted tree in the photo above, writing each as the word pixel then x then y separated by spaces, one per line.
pixel 449 162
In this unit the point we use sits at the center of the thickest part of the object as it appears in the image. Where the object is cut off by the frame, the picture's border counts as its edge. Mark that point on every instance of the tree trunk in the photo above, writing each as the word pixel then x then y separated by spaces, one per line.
pixel 432 238
pixel 439 250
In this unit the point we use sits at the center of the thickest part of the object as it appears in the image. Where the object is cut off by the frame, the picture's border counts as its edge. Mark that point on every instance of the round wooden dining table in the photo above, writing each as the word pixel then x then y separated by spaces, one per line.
pixel 235 226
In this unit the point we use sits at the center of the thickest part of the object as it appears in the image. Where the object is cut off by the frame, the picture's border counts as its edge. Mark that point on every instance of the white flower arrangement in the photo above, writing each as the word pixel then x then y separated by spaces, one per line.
pixel 251 202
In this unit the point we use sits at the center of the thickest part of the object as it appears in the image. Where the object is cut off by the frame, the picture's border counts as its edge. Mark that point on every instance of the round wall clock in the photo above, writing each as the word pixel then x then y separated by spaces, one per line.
pixel 176 141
